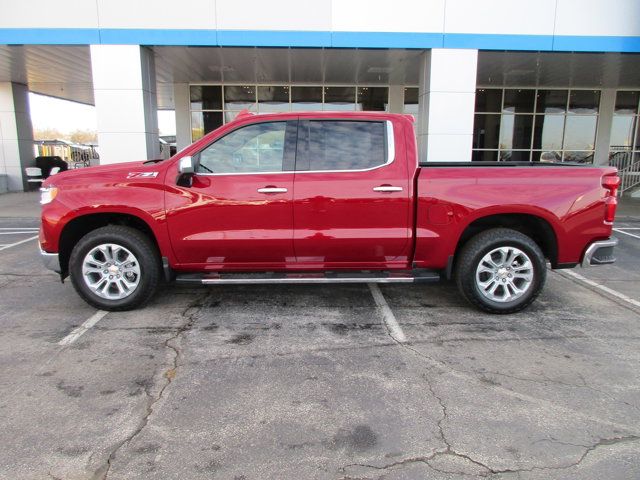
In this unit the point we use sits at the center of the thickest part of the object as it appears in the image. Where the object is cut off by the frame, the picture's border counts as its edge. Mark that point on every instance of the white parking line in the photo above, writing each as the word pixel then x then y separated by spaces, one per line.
pixel 82 329
pixel 608 290
pixel 31 229
pixel 387 315
pixel 620 230
pixel 17 232
pixel 4 247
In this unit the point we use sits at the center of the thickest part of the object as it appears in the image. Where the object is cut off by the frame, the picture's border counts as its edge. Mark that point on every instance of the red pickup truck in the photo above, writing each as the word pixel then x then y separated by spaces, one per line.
pixel 327 197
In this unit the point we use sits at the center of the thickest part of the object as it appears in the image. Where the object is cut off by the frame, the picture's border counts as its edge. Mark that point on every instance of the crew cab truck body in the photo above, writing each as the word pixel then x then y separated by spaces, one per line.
pixel 320 198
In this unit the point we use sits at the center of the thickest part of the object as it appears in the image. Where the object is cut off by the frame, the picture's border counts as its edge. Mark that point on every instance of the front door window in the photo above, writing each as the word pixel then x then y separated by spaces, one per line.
pixel 257 148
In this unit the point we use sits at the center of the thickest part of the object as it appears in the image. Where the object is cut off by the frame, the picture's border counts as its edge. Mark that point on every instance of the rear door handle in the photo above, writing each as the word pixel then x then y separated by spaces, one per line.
pixel 387 188
pixel 272 190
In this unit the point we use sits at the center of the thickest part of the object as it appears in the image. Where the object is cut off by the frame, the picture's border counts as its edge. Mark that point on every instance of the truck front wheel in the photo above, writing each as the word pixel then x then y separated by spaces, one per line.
pixel 115 268
pixel 500 270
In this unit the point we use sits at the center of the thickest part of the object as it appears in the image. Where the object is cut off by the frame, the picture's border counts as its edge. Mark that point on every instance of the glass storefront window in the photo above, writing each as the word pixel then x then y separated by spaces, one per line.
pixel 373 99
pixel 625 128
pixel 584 101
pixel 211 121
pixel 273 99
pixel 239 97
pixel 213 105
pixel 622 131
pixel 340 98
pixel 486 131
pixel 197 126
pixel 519 100
pixel 624 147
pixel 488 100
pixel 515 132
pixel 306 98
pixel 578 157
pixel 547 134
pixel 515 155
pixel 484 155
pixel 549 156
pixel 580 132
pixel 411 100
pixel 206 97
pixel 203 123
pixel 552 101
pixel 536 124
pixel 627 102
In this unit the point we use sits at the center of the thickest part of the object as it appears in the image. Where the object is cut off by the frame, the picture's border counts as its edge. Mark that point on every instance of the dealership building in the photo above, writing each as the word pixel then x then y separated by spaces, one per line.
pixel 487 80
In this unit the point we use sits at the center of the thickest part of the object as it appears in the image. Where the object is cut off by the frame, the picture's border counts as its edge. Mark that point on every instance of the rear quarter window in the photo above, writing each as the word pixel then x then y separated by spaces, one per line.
pixel 344 145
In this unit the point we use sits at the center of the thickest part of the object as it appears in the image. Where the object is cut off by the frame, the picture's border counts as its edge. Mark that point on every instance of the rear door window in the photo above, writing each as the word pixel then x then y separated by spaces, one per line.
pixel 329 145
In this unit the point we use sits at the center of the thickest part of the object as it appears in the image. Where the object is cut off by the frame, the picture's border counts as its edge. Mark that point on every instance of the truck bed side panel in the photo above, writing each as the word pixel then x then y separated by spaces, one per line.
pixel 570 199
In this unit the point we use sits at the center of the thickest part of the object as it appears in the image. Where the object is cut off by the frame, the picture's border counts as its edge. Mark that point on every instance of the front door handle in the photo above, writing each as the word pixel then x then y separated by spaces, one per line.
pixel 387 188
pixel 272 190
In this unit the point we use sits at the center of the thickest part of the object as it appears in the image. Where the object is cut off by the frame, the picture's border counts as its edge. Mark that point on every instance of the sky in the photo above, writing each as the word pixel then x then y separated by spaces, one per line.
pixel 66 116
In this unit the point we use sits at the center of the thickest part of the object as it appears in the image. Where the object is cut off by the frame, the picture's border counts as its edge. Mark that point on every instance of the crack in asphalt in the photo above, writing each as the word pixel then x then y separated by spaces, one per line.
pixel 470 375
pixel 486 470
pixel 190 313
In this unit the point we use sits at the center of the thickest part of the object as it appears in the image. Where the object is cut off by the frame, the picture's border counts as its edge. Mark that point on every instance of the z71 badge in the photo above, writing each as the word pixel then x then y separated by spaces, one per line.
pixel 142 175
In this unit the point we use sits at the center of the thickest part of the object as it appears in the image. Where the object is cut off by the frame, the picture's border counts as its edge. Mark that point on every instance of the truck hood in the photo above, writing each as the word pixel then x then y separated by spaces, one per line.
pixel 118 172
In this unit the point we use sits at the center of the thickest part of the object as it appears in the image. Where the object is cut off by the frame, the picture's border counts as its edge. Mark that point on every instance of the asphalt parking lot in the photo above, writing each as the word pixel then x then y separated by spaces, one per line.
pixel 314 382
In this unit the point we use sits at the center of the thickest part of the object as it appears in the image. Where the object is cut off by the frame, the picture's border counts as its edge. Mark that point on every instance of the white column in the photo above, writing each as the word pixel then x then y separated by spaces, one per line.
pixel 181 101
pixel 605 119
pixel 396 98
pixel 124 87
pixel 446 104
pixel 16 134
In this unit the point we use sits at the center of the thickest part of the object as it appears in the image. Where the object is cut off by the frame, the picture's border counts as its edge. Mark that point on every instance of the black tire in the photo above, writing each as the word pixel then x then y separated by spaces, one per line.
pixel 472 254
pixel 139 245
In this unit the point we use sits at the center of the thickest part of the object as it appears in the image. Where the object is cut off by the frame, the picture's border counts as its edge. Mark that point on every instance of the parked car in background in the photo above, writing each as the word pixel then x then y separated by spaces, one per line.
pixel 328 197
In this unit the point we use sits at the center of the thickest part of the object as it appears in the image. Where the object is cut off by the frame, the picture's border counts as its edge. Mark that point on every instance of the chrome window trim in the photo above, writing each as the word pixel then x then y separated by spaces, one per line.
pixel 391 156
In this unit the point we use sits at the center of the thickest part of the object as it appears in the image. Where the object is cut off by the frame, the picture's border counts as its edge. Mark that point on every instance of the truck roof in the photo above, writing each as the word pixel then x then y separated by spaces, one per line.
pixel 320 114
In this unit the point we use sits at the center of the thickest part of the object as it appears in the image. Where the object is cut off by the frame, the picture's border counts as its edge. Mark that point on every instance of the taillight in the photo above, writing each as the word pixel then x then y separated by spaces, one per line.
pixel 611 184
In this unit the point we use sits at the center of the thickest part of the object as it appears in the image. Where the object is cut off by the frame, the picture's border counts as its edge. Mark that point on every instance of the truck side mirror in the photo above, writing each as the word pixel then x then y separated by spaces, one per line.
pixel 187 166
pixel 186 170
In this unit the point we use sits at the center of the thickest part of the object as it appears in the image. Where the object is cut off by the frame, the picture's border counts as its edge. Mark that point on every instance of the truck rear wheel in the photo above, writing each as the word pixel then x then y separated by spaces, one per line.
pixel 115 268
pixel 501 271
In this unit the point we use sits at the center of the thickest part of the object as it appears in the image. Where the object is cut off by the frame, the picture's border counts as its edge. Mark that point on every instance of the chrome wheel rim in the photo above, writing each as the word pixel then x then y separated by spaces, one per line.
pixel 504 274
pixel 111 271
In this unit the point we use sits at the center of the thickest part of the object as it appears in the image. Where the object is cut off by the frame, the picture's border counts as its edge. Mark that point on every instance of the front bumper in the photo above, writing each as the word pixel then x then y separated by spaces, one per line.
pixel 50 260
pixel 600 253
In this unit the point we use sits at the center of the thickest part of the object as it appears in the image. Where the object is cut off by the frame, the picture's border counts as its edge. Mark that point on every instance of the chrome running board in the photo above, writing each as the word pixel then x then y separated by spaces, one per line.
pixel 413 276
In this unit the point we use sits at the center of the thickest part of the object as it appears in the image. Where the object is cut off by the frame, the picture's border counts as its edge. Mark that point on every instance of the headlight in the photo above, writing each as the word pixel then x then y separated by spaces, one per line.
pixel 47 195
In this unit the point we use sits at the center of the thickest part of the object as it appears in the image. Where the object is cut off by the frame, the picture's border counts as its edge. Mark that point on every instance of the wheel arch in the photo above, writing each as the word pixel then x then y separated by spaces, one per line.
pixel 79 226
pixel 539 229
